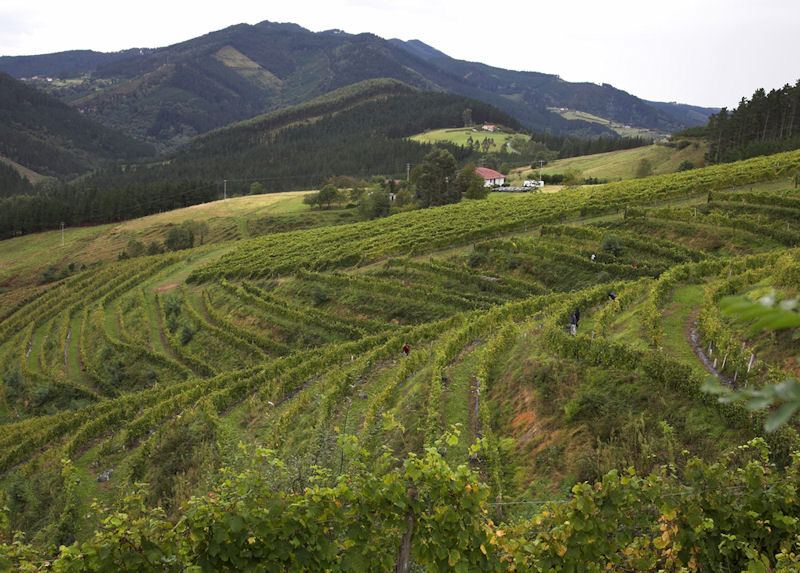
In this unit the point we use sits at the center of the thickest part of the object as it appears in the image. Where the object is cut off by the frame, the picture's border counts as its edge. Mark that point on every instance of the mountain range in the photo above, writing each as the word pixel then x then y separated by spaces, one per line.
pixel 169 95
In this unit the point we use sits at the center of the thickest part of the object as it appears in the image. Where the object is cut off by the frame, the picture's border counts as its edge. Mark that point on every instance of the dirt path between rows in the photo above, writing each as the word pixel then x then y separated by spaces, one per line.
pixel 693 338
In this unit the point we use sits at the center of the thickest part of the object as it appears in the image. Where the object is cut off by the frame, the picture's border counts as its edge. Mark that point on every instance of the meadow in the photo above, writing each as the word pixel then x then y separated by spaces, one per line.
pixel 461 136
pixel 620 165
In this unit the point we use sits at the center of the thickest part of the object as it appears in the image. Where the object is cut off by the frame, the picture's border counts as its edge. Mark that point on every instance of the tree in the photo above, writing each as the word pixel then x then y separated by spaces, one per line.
pixel 403 197
pixel 467 117
pixel 197 228
pixel 374 204
pixel 435 179
pixel 573 177
pixel 256 188
pixel 328 195
pixel 134 249
pixel 470 183
pixel 179 238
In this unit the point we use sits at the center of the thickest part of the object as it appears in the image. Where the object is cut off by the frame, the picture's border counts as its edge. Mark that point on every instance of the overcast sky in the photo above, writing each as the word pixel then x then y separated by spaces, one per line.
pixel 702 52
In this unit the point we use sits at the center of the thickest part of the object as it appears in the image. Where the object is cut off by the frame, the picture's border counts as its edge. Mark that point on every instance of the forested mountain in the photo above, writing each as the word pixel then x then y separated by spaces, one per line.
pixel 169 95
pixel 69 64
pixel 688 115
pixel 358 130
pixel 541 91
pixel 51 138
pixel 12 182
pixel 766 123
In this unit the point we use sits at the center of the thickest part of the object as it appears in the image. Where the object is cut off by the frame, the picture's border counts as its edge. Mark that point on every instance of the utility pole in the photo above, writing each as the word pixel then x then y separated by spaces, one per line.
pixel 224 189
pixel 408 171
pixel 541 162
pixel 62 233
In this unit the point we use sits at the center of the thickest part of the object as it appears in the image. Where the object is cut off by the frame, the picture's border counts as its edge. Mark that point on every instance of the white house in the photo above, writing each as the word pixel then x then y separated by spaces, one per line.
pixel 490 177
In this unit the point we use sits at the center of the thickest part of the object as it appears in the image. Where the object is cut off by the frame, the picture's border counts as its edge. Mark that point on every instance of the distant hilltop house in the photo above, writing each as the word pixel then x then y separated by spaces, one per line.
pixel 490 177
pixel 488 128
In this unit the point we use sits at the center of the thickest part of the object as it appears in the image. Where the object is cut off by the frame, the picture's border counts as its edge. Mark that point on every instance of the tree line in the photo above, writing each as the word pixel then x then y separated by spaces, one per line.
pixel 564 146
pixel 72 205
pixel 766 123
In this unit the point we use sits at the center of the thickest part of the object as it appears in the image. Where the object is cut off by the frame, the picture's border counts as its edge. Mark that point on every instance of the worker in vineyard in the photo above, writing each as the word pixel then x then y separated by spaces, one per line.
pixel 406 349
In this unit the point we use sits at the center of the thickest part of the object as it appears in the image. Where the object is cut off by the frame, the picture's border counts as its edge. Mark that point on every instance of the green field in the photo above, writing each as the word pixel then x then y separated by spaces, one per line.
pixel 461 136
pixel 254 400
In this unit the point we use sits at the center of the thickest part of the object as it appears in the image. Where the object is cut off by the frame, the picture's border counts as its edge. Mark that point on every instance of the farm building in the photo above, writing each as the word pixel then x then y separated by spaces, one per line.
pixel 490 176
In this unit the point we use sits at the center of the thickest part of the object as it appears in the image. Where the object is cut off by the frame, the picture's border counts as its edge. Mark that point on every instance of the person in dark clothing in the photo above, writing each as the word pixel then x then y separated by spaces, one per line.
pixel 406 349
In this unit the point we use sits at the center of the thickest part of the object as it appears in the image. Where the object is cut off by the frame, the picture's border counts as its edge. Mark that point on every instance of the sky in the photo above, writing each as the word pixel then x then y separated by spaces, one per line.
pixel 702 52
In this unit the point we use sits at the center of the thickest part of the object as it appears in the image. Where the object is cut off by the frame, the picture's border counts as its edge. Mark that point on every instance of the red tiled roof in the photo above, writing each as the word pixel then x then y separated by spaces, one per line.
pixel 489 173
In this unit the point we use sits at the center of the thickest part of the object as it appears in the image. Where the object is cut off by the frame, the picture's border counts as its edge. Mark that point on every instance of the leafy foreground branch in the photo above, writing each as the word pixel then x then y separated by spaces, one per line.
pixel 738 514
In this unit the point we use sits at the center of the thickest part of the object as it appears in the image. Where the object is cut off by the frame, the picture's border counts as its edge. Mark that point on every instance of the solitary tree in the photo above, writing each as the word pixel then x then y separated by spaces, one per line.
pixel 179 238
pixel 435 179
pixel 328 194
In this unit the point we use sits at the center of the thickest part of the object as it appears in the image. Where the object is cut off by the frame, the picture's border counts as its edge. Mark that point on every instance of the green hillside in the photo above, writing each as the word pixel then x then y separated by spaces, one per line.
pixel 257 408
pixel 359 130
pixel 620 128
pixel 662 158
pixel 169 95
pixel 47 136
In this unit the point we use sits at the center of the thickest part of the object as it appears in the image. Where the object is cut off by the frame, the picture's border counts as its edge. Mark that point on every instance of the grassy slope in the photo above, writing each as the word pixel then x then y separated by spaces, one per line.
pixel 459 136
pixel 619 165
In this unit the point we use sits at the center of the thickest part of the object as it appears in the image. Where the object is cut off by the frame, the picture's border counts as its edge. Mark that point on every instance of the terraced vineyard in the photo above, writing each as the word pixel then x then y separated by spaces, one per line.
pixel 293 342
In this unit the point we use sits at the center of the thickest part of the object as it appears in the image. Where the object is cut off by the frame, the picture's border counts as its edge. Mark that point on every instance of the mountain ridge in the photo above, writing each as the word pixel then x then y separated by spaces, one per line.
pixel 170 94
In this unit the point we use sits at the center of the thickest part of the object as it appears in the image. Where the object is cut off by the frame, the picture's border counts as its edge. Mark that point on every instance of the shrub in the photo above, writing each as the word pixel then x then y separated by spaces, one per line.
pixel 611 245
pixel 186 333
pixel 476 259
